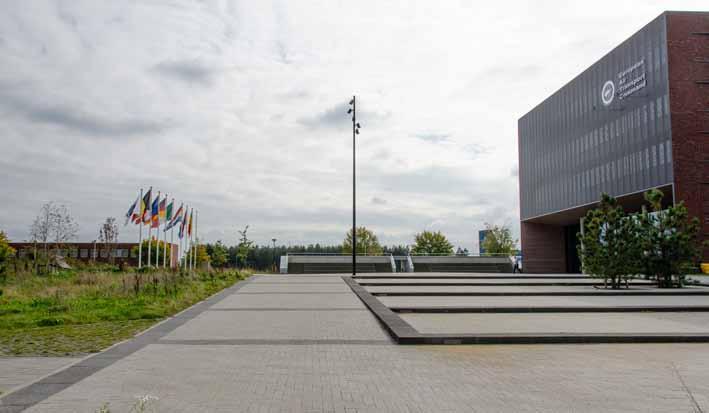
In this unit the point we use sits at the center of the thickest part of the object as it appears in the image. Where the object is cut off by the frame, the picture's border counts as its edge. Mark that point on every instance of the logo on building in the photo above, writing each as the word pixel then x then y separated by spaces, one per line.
pixel 608 92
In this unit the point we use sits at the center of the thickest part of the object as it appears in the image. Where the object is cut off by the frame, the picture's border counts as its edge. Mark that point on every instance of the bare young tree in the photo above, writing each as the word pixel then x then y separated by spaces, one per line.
pixel 108 235
pixel 54 223
pixel 63 228
pixel 41 230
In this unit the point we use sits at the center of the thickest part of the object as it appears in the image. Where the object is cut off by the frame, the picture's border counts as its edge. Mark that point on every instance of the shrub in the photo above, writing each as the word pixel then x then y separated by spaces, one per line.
pixel 668 239
pixel 609 247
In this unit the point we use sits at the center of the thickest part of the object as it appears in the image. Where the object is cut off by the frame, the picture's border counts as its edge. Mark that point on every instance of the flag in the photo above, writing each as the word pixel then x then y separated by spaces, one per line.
pixel 155 212
pixel 162 210
pixel 181 234
pixel 168 211
pixel 189 225
pixel 132 213
pixel 176 219
pixel 145 207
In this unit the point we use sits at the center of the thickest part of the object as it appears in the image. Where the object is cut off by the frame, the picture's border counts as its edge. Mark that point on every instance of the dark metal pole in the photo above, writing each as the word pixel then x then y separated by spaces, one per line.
pixel 354 190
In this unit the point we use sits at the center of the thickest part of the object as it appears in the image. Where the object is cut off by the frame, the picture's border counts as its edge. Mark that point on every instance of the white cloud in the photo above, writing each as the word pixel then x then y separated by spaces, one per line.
pixel 237 108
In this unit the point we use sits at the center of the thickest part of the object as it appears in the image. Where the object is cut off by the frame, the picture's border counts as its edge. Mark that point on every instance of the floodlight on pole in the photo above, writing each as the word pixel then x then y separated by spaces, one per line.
pixel 355 131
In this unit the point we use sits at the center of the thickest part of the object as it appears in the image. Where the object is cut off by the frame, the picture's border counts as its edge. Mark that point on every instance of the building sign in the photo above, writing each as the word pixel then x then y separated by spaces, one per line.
pixel 608 92
pixel 629 81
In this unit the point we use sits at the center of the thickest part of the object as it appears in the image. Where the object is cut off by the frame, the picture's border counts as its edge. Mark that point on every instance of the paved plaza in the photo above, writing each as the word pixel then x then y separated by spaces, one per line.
pixel 310 344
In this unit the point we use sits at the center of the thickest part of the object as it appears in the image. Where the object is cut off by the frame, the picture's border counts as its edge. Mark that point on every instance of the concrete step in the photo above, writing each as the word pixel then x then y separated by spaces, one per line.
pixel 480 268
pixel 325 268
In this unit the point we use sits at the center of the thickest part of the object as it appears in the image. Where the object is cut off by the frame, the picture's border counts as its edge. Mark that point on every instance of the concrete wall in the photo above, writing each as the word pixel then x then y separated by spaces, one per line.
pixel 299 264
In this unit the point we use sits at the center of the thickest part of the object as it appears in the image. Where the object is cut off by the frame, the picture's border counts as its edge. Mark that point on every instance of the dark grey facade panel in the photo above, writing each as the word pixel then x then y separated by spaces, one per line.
pixel 608 130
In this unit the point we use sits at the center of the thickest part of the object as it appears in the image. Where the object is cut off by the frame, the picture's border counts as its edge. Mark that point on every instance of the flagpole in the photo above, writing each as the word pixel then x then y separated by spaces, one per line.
pixel 191 241
pixel 164 236
pixel 140 233
pixel 172 240
pixel 150 228
pixel 150 236
pixel 194 246
pixel 188 248
pixel 157 260
pixel 157 244
pixel 184 238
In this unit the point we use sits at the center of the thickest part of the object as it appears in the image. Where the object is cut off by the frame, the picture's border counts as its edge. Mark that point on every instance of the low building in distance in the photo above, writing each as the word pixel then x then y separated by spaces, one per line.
pixel 637 119
pixel 122 252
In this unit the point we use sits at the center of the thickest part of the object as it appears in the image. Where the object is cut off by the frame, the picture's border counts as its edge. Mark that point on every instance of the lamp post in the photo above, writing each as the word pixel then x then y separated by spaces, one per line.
pixel 355 131
pixel 275 263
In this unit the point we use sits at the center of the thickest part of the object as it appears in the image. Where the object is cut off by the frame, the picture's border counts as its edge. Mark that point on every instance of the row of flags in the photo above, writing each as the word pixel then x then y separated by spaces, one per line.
pixel 154 212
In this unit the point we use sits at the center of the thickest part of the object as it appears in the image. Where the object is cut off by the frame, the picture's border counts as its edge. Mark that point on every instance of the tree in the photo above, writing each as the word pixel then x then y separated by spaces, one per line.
pixel 668 240
pixel 400 250
pixel 498 240
pixel 610 247
pixel 202 259
pixel 431 243
pixel 54 223
pixel 41 229
pixel 218 254
pixel 6 253
pixel 367 242
pixel 63 226
pixel 245 245
pixel 108 235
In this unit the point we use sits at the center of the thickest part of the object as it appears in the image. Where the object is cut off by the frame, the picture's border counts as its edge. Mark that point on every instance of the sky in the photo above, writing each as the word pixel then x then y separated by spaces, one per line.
pixel 238 108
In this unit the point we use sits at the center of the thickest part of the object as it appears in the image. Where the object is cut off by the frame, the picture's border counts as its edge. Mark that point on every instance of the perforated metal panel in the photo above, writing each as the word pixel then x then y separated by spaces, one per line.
pixel 575 145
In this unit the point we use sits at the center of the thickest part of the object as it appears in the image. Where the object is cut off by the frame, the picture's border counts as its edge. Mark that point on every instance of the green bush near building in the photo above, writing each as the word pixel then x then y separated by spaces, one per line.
pixel 658 243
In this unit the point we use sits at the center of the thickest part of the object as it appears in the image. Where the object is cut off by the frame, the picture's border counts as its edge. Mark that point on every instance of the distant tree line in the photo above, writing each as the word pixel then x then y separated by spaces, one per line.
pixel 267 257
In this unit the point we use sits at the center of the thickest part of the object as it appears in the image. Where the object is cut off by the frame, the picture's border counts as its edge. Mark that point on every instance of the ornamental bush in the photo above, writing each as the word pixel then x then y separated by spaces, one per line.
pixel 609 246
pixel 668 239
pixel 660 243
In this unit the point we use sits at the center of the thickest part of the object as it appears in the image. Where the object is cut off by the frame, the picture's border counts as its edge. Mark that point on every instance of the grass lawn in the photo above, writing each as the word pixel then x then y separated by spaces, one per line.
pixel 77 312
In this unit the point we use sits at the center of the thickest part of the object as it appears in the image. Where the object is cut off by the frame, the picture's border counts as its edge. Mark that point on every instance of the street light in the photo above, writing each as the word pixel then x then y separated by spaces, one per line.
pixel 275 263
pixel 355 131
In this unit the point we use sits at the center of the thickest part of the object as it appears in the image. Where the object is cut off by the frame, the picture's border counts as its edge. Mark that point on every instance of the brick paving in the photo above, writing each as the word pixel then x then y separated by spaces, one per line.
pixel 348 378
pixel 17 371
pixel 530 289
pixel 282 325
pixel 559 323
pixel 507 281
pixel 548 301
pixel 317 352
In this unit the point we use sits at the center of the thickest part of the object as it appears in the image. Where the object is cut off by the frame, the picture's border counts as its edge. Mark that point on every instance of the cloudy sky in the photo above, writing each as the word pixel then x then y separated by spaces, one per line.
pixel 238 108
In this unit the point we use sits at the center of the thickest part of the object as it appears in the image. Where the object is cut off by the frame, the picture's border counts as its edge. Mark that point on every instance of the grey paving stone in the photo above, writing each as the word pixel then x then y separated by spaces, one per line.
pixel 340 378
pixel 547 301
pixel 317 300
pixel 577 323
pixel 280 325
pixel 471 275
pixel 307 279
pixel 18 371
pixel 526 289
pixel 486 281
pixel 296 288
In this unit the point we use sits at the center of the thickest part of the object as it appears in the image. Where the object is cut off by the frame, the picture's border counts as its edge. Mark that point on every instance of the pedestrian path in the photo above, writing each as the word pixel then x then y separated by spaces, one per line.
pixel 307 344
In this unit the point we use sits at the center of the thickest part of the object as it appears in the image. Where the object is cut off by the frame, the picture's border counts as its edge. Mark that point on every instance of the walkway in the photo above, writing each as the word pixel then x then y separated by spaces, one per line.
pixel 306 343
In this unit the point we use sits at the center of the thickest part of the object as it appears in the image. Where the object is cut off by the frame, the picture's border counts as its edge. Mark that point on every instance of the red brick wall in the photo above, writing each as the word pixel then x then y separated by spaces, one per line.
pixel 543 248
pixel 28 248
pixel 689 111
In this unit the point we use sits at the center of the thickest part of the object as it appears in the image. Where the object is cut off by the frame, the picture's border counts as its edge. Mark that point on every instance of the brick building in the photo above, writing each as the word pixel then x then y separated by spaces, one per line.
pixel 96 251
pixel 637 119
